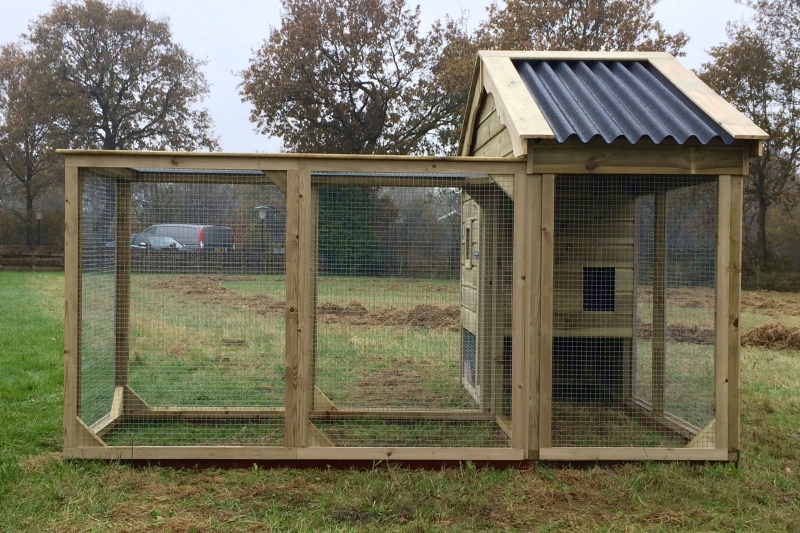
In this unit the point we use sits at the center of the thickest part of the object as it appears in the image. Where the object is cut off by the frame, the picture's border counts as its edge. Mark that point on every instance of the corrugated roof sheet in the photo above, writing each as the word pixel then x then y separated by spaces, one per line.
pixel 613 99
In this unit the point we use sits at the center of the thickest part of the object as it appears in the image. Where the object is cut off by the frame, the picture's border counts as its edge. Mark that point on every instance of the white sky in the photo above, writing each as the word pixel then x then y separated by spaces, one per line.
pixel 224 33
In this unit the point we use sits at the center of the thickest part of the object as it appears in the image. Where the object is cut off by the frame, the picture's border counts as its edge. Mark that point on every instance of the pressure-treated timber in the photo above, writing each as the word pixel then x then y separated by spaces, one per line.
pixel 659 346
pixel 734 306
pixel 107 424
pixel 412 454
pixel 165 161
pixel 85 437
pixel 233 413
pixel 265 453
pixel 705 436
pixel 516 107
pixel 524 292
pixel 299 303
pixel 278 179
pixel 632 454
pixel 122 285
pixel 322 402
pixel 132 403
pixel 722 310
pixel 72 311
pixel 546 311
pixel 642 158
pixel 318 438
pixel 671 423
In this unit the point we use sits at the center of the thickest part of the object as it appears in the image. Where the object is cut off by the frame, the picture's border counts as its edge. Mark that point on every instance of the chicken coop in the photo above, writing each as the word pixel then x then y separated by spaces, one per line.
pixel 566 288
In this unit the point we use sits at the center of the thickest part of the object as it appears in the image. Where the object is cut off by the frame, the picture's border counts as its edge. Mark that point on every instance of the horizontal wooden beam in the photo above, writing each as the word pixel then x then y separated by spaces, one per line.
pixel 623 158
pixel 411 454
pixel 666 420
pixel 264 453
pixel 199 413
pixel 283 162
pixel 632 454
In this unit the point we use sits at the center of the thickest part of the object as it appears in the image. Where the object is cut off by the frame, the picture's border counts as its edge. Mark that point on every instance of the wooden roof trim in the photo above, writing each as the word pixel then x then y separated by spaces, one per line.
pixel 712 104
pixel 516 107
pixel 473 105
pixel 573 55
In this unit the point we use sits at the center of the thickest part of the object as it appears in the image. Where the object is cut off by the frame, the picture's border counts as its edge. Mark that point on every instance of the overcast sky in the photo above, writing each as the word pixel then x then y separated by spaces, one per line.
pixel 224 33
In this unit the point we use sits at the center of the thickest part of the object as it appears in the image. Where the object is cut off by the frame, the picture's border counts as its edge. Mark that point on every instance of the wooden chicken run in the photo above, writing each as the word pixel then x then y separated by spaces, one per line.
pixel 567 288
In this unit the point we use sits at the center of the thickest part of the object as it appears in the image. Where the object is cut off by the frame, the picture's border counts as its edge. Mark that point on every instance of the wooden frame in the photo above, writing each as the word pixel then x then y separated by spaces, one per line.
pixel 532 327
pixel 304 403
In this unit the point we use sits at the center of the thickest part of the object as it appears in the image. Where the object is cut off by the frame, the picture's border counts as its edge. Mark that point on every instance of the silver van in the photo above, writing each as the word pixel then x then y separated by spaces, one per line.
pixel 196 237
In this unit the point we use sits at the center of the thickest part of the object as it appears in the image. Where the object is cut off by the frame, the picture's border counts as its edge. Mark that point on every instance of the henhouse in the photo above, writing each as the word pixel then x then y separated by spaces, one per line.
pixel 566 289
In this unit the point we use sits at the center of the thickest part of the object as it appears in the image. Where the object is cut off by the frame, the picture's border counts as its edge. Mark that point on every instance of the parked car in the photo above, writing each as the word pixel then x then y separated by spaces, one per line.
pixel 196 237
pixel 154 242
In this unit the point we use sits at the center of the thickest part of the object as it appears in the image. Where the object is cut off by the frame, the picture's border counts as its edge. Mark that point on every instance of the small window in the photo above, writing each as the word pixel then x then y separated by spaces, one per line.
pixel 468 248
pixel 598 288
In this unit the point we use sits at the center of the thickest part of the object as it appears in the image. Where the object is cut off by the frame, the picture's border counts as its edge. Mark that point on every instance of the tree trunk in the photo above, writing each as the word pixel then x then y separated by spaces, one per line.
pixel 30 216
pixel 761 235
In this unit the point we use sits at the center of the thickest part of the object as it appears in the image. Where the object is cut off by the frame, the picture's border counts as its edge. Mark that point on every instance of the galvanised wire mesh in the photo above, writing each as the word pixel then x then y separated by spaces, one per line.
pixel 412 316
pixel 633 346
pixel 98 233
pixel 206 332
pixel 401 359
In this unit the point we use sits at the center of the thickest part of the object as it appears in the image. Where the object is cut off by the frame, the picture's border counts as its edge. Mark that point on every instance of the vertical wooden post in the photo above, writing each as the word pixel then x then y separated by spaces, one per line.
pixel 546 310
pixel 72 304
pixel 659 347
pixel 734 304
pixel 721 343
pixel 299 312
pixel 122 285
pixel 520 320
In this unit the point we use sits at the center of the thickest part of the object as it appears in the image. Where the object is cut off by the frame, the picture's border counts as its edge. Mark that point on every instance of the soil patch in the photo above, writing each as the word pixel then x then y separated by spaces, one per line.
pixel 428 316
pixel 773 337
pixel 209 289
pixel 772 303
pixel 679 333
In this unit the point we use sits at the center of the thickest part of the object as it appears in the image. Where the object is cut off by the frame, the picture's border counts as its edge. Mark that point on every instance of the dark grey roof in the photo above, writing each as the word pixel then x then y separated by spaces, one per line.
pixel 613 99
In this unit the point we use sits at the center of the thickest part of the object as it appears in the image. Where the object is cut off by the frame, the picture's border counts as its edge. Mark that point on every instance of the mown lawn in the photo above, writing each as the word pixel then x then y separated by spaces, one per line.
pixel 39 491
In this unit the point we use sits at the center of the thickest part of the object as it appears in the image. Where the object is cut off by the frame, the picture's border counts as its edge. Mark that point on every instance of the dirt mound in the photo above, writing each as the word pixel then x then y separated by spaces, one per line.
pixel 692 297
pixel 772 303
pixel 679 333
pixel 774 337
pixel 208 289
pixel 434 316
pixel 356 314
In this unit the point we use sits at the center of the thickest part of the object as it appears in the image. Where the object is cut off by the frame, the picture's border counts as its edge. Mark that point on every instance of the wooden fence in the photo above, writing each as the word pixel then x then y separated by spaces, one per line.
pixel 48 258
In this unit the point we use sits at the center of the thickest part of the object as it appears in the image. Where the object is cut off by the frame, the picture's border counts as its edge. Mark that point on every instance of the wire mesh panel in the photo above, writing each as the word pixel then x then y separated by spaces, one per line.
pixel 204 345
pixel 98 245
pixel 397 357
pixel 633 353
pixel 675 303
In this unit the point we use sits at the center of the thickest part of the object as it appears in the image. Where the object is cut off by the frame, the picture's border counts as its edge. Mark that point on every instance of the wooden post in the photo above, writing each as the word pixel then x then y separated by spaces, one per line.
pixel 734 304
pixel 527 238
pixel 122 285
pixel 722 341
pixel 659 303
pixel 314 245
pixel 546 310
pixel 72 307
pixel 299 312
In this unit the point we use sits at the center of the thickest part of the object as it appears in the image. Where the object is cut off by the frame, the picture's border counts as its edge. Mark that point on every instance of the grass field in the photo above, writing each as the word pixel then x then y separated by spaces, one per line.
pixel 39 491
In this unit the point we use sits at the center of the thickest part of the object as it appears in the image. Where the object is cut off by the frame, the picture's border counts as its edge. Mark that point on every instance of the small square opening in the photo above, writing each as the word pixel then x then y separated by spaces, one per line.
pixel 598 288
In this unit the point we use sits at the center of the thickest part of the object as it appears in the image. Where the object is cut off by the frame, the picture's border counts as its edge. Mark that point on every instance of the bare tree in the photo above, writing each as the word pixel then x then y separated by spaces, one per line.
pixel 758 70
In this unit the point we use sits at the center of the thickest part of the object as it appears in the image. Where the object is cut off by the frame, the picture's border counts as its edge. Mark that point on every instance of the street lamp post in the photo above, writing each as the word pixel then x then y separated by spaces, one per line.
pixel 262 216
pixel 39 227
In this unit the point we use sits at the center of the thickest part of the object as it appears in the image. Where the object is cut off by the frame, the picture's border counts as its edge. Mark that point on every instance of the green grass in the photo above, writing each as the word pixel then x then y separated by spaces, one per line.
pixel 39 491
